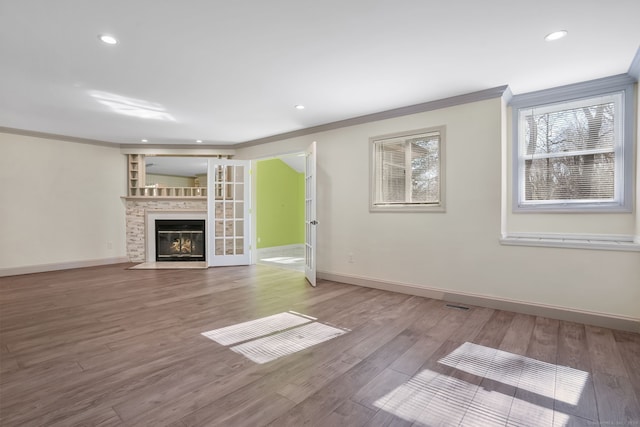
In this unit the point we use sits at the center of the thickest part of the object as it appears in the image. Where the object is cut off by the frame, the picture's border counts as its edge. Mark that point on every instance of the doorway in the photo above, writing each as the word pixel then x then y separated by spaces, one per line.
pixel 280 212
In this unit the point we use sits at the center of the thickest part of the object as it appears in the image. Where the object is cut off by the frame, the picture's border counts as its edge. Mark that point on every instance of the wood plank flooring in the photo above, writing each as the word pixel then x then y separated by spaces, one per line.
pixel 110 346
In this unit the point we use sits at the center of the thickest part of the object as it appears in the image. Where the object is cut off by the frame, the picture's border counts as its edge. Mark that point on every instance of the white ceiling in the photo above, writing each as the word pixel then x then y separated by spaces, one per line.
pixel 228 72
pixel 295 161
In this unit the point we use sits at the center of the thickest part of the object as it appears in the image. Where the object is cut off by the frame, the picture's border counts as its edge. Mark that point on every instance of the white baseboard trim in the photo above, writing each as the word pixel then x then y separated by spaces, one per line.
pixel 611 321
pixel 283 247
pixel 42 268
pixel 403 288
pixel 273 251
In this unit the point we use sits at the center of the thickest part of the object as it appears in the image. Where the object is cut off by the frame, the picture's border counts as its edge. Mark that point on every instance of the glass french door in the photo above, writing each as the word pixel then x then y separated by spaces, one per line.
pixel 228 206
pixel 310 221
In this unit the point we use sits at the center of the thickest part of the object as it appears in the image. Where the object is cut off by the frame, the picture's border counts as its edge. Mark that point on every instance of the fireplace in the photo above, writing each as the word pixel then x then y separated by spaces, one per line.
pixel 180 240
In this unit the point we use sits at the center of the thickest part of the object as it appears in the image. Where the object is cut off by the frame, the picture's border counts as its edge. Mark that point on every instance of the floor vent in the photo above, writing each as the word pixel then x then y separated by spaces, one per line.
pixel 457 307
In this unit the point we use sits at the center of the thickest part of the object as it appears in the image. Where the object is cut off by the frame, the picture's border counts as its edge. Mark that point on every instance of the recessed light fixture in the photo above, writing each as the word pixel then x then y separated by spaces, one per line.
pixel 556 35
pixel 299 107
pixel 198 141
pixel 144 140
pixel 107 39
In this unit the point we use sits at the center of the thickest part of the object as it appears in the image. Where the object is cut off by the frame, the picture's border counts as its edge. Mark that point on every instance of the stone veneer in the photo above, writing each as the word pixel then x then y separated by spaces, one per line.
pixel 136 212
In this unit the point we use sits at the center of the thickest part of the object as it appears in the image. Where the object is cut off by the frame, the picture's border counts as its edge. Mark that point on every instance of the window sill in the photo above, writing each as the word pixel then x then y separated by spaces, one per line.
pixel 573 241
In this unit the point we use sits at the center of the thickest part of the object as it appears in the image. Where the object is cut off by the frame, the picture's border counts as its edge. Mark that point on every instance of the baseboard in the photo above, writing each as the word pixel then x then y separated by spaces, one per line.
pixel 41 268
pixel 274 251
pixel 283 247
pixel 554 312
pixel 403 288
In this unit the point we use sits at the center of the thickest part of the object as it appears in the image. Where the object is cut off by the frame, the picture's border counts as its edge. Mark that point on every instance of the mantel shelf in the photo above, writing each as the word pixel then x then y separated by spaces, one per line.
pixel 164 197
pixel 186 192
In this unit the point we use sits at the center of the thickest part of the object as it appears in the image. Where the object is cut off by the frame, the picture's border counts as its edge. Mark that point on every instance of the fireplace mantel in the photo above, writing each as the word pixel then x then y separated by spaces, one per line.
pixel 149 198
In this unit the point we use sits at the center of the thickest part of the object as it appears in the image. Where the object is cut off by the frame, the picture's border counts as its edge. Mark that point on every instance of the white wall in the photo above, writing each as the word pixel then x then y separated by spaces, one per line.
pixel 60 202
pixel 456 251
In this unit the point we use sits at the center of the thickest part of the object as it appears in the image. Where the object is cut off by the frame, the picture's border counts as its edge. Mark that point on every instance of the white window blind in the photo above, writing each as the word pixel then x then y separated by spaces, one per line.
pixel 570 153
pixel 407 170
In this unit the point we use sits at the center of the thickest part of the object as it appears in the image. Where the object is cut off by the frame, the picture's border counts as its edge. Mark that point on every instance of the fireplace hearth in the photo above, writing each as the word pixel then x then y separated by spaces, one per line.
pixel 180 240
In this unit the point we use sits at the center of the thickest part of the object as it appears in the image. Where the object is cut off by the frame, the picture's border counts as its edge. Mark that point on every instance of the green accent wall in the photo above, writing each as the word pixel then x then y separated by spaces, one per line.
pixel 280 204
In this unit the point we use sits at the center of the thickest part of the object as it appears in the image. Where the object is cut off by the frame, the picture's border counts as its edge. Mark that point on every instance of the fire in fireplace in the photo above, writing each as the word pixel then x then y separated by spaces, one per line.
pixel 180 240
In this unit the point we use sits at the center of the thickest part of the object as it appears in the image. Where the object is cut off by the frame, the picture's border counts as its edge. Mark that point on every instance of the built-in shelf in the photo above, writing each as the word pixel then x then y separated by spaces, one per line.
pixel 136 173
pixel 168 191
pixel 138 189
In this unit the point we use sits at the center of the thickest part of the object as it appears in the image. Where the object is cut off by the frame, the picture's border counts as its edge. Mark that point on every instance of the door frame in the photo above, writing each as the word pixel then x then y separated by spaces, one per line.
pixel 310 213
pixel 254 195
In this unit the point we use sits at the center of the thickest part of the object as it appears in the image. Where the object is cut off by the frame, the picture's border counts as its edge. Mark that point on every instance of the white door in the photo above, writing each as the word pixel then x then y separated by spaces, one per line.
pixel 310 221
pixel 228 205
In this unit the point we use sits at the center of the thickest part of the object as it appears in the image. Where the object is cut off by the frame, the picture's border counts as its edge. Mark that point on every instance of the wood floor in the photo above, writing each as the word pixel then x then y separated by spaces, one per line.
pixel 111 346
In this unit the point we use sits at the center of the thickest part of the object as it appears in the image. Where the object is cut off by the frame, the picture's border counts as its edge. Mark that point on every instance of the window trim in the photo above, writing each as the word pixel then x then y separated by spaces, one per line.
pixel 397 207
pixel 623 84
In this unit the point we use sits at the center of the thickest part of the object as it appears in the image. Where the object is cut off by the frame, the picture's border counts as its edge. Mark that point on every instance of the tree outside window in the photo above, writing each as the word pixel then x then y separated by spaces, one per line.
pixel 407 171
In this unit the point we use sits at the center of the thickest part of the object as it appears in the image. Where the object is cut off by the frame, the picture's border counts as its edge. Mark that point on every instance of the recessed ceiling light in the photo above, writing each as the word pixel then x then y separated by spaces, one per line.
pixel 144 140
pixel 556 35
pixel 198 141
pixel 299 107
pixel 106 38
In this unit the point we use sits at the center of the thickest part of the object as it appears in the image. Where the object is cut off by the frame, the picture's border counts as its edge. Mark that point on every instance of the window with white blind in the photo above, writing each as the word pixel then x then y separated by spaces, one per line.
pixel 570 155
pixel 407 171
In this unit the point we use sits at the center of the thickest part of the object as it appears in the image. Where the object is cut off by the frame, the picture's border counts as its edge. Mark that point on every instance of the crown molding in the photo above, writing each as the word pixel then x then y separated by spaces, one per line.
pixel 634 68
pixel 178 150
pixel 57 137
pixel 573 91
pixel 507 96
pixel 439 104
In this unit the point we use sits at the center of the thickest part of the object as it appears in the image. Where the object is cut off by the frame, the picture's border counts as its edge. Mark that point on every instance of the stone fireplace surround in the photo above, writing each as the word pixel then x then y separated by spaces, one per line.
pixel 141 216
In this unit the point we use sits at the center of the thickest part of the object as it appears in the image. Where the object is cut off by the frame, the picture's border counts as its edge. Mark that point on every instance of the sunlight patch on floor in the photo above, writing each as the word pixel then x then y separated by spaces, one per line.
pixel 516 390
pixel 282 344
pixel 255 328
pixel 290 257
pixel 269 338
pixel 290 263
pixel 284 260
pixel 523 372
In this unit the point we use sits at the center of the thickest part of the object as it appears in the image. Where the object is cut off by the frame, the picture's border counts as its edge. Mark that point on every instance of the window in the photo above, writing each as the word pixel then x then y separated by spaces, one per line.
pixel 573 155
pixel 407 171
